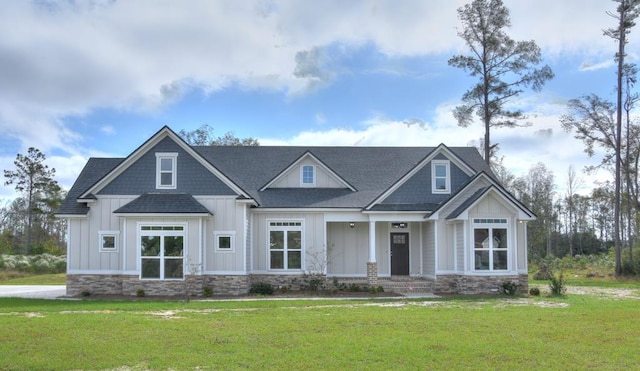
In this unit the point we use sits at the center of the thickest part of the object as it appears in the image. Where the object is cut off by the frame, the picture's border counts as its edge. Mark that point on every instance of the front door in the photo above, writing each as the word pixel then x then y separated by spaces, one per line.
pixel 399 254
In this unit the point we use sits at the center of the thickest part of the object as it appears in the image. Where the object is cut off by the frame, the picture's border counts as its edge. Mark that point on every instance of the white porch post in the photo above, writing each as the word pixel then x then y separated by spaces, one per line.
pixel 372 264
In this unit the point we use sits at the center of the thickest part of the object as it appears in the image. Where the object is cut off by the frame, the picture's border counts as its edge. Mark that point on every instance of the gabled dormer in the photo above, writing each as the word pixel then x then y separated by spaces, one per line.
pixel 307 172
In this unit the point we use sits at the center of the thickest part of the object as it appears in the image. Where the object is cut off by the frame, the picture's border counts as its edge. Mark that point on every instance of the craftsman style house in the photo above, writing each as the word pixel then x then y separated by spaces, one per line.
pixel 433 218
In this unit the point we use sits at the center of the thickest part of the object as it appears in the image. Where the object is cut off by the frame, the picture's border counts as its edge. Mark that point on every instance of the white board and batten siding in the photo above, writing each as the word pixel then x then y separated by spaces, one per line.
pixel 292 178
pixel 84 233
pixel 229 218
pixel 348 249
pixel 314 243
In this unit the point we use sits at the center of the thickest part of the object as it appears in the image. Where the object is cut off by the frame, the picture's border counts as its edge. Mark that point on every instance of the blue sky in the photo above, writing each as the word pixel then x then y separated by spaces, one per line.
pixel 97 78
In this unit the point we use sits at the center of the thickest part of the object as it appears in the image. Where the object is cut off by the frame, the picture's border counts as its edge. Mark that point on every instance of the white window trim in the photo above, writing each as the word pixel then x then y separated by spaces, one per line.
pixel 115 234
pixel 491 224
pixel 286 228
pixel 302 183
pixel 184 233
pixel 447 164
pixel 174 174
pixel 216 240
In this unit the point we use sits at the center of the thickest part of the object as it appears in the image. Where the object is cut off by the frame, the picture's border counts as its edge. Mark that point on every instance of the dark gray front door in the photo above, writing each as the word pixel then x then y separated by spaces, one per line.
pixel 399 254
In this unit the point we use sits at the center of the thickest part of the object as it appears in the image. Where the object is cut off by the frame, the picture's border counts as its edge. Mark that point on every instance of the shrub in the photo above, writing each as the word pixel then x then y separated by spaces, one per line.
pixel 558 284
pixel 534 291
pixel 140 293
pixel 509 288
pixel 379 289
pixel 86 293
pixel 261 288
pixel 354 288
pixel 207 291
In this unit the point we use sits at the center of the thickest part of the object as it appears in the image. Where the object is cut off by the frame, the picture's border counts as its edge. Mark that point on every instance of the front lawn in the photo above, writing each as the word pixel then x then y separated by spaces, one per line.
pixel 574 332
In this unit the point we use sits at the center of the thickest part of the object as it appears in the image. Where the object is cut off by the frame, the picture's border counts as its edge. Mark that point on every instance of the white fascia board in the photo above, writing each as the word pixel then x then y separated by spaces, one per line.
pixel 162 215
pixel 301 210
pixel 70 216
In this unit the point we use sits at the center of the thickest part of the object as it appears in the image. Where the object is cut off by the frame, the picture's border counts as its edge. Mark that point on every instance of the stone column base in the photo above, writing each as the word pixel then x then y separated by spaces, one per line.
pixel 372 273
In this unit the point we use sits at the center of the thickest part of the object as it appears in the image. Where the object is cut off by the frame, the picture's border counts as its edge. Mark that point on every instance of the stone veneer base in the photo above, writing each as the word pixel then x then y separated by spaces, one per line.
pixel 233 285
pixel 460 284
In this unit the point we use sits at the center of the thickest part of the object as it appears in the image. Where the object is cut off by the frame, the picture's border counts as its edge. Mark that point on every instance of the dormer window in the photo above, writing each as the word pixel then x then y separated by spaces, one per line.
pixel 308 176
pixel 166 170
pixel 440 176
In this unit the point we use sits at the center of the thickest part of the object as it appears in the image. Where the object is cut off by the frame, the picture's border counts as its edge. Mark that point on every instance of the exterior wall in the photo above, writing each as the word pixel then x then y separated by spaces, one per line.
pixel 314 245
pixel 464 284
pixel 429 250
pixel 445 246
pixel 347 249
pixel 459 246
pixel 129 285
pixel 415 246
pixel 228 217
pixel 84 251
pixel 292 178
pixel 522 247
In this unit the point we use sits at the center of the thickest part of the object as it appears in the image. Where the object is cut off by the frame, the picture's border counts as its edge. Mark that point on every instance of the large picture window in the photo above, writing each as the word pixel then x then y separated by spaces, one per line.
pixel 162 252
pixel 285 245
pixel 490 245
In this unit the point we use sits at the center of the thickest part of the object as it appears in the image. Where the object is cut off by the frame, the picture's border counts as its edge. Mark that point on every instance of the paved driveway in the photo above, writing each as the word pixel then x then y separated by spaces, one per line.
pixel 33 292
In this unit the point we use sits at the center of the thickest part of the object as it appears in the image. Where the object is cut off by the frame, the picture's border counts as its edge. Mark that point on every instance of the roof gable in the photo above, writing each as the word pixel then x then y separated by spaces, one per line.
pixel 415 186
pixel 474 192
pixel 324 176
pixel 165 139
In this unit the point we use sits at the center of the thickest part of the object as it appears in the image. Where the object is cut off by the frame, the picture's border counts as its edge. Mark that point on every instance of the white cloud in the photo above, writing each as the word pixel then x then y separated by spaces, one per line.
pixel 61 58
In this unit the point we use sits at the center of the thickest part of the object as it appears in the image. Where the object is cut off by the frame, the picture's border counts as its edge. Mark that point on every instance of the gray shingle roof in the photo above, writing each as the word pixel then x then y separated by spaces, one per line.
pixel 163 203
pixel 94 170
pixel 370 170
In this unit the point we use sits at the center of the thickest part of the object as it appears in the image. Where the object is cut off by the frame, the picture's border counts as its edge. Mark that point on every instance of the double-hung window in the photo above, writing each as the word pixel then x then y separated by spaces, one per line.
pixel 166 170
pixel 490 244
pixel 307 176
pixel 285 245
pixel 162 252
pixel 440 176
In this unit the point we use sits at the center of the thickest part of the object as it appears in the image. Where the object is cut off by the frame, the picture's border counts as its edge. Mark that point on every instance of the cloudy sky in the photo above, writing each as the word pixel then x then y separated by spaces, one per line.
pixel 97 78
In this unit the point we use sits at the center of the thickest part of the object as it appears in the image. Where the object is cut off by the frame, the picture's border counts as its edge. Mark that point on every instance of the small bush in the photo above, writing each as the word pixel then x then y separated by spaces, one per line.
pixel 379 289
pixel 140 293
pixel 534 291
pixel 261 288
pixel 207 291
pixel 354 288
pixel 509 288
pixel 558 284
pixel 86 293
pixel 339 286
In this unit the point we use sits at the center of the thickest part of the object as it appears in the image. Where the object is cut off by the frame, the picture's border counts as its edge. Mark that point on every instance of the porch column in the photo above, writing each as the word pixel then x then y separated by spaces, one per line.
pixel 372 264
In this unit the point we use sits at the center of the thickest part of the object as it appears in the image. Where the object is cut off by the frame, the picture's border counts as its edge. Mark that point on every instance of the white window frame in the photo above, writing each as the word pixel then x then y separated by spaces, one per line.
pixel 116 237
pixel 447 165
pixel 232 243
pixel 162 230
pixel 174 170
pixel 313 176
pixel 286 226
pixel 491 223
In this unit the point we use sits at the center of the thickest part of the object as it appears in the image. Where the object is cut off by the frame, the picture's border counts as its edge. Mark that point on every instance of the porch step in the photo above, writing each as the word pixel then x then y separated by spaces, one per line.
pixel 406 285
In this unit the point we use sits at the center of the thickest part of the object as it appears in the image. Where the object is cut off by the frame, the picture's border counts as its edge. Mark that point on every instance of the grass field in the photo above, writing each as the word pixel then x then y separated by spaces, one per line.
pixel 571 332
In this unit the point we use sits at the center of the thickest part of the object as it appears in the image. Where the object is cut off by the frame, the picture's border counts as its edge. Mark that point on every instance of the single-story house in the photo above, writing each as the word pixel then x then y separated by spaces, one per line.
pixel 224 217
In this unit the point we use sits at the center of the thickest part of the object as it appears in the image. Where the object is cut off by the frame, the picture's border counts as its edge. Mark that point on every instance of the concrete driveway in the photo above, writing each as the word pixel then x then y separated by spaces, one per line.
pixel 33 292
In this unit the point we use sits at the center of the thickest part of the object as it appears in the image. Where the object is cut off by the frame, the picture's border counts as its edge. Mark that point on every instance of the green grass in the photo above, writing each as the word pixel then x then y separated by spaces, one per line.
pixel 571 332
pixel 20 278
